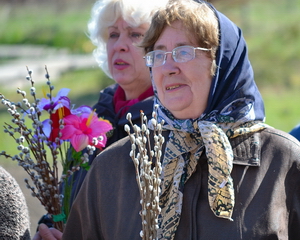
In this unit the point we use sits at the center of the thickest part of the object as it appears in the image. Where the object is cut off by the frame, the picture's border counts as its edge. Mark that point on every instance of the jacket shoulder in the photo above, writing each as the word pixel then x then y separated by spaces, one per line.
pixel 115 153
pixel 248 148
pixel 280 146
pixel 280 137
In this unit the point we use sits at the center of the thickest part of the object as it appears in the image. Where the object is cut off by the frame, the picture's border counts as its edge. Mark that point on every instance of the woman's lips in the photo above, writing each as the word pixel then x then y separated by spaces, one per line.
pixel 169 88
pixel 120 64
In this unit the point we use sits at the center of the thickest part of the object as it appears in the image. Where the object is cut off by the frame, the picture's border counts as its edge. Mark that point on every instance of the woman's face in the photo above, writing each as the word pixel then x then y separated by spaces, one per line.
pixel 125 60
pixel 183 88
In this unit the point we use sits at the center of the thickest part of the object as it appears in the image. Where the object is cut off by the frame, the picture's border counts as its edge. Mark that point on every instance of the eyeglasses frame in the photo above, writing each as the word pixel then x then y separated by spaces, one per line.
pixel 172 53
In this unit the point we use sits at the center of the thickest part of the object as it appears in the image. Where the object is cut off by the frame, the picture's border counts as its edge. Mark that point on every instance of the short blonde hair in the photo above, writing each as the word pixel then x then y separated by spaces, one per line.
pixel 106 12
pixel 197 18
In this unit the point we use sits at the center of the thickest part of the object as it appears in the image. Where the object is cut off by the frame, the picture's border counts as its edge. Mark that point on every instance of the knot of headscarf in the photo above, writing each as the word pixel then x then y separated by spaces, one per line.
pixel 183 150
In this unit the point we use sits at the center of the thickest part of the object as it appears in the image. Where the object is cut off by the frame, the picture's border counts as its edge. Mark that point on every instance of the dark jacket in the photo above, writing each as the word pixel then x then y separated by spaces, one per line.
pixel 105 109
pixel 266 176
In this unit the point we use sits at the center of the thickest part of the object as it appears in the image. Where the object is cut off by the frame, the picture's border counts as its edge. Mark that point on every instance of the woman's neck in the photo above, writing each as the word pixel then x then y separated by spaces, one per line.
pixel 136 92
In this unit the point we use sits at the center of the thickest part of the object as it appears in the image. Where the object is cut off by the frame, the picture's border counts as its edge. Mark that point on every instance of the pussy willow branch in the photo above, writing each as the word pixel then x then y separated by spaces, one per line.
pixel 32 144
pixel 148 169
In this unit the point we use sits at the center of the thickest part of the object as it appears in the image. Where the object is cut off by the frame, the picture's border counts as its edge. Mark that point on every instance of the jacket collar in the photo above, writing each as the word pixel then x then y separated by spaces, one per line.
pixel 246 149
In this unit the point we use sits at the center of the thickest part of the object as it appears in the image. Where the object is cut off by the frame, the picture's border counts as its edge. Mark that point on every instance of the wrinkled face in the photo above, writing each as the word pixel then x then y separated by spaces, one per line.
pixel 125 60
pixel 183 88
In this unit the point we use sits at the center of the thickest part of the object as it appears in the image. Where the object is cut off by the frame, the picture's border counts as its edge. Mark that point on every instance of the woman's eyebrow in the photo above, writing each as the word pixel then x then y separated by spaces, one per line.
pixel 159 47
pixel 112 27
pixel 162 47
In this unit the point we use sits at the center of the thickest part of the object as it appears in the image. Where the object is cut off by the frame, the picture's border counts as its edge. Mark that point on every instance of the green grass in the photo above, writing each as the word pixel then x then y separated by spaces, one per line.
pixel 46 24
pixel 282 107
pixel 85 85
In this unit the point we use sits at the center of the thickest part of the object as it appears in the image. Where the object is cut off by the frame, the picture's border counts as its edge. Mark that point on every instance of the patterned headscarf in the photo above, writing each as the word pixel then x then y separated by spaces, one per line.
pixel 235 107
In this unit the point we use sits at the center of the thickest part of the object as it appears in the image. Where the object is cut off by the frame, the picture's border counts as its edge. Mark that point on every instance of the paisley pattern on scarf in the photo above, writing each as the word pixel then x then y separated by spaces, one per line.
pixel 234 108
pixel 183 149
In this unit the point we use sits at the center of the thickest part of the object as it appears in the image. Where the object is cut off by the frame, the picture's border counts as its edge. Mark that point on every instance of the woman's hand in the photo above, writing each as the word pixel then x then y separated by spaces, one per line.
pixel 46 233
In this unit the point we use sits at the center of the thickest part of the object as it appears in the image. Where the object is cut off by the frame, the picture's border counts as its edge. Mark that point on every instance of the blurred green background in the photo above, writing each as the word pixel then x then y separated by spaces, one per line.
pixel 271 29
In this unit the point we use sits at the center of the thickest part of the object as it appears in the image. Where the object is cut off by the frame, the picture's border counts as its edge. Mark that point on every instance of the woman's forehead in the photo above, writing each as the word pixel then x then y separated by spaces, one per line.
pixel 120 23
pixel 175 35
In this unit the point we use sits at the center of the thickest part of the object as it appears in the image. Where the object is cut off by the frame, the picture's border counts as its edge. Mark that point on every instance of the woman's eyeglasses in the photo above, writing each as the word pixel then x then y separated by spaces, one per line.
pixel 180 54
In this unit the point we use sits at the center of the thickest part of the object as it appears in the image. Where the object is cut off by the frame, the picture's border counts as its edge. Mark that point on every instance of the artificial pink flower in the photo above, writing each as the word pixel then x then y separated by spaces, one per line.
pixel 81 130
pixel 52 130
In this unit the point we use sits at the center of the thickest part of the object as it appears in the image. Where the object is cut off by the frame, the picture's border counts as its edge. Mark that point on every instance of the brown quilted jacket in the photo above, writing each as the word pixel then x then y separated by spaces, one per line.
pixel 266 176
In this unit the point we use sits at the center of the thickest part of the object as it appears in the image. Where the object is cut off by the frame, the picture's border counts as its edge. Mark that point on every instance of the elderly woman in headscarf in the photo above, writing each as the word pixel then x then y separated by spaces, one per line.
pixel 225 173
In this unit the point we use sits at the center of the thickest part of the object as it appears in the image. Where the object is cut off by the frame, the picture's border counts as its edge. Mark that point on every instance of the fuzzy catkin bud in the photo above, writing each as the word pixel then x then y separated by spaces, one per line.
pixel 128 116
pixel 131 154
pixel 126 128
pixel 132 138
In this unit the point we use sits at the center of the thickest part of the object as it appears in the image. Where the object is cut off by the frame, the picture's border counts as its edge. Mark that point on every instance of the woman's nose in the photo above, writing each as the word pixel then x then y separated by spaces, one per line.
pixel 121 44
pixel 170 66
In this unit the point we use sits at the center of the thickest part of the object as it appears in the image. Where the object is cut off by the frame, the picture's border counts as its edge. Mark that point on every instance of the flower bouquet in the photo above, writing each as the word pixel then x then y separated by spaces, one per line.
pixel 48 130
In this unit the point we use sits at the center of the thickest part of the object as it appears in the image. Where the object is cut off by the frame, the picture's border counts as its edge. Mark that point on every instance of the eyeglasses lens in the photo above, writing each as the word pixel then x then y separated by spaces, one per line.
pixel 180 54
